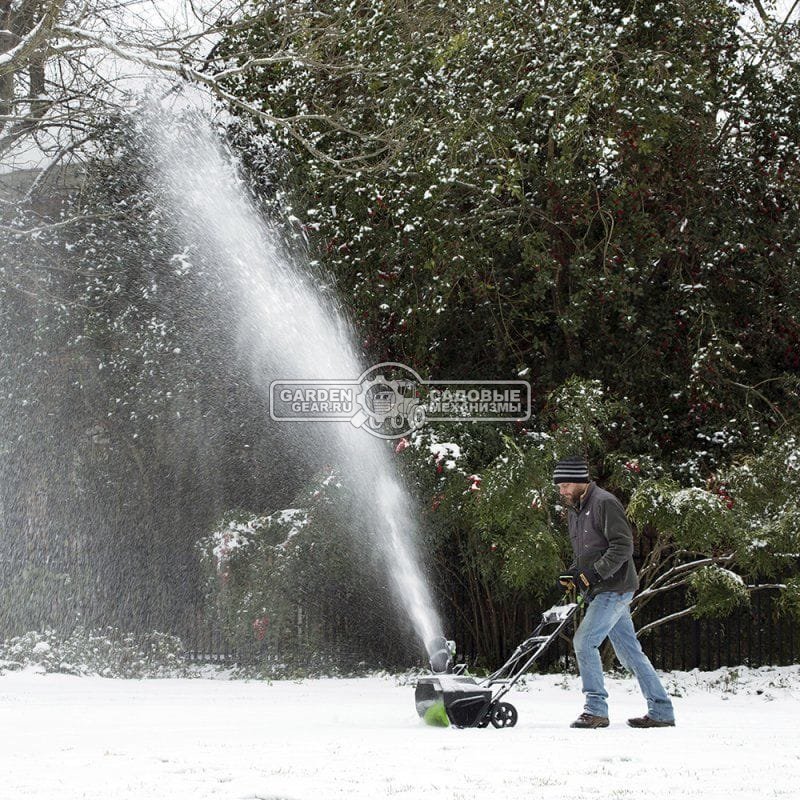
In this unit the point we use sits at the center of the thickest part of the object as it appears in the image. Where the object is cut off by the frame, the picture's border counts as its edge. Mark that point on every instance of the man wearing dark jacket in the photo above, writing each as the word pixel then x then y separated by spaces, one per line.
pixel 604 572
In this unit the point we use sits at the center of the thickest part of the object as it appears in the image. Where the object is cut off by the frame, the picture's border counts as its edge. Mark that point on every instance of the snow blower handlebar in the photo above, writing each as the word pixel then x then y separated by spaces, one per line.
pixel 567 581
pixel 579 593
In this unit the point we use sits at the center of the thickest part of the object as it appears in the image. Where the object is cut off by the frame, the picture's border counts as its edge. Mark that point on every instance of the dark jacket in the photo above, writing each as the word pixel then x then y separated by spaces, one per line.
pixel 602 538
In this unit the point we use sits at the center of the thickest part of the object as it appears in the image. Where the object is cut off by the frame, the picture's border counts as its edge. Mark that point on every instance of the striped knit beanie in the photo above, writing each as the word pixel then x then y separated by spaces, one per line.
pixel 571 470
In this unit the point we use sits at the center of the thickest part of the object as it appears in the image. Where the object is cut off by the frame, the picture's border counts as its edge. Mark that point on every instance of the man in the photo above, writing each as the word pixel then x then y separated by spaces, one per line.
pixel 604 572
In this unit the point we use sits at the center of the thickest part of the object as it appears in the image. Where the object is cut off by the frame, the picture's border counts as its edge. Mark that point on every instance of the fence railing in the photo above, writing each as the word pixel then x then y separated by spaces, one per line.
pixel 754 636
pixel 207 644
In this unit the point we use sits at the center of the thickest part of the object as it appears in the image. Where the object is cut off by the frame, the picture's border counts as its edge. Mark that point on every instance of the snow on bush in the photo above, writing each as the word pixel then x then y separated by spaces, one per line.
pixel 110 653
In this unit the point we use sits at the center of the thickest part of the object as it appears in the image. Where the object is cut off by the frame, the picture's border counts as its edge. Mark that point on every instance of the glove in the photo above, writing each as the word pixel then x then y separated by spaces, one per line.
pixel 585 579
pixel 582 579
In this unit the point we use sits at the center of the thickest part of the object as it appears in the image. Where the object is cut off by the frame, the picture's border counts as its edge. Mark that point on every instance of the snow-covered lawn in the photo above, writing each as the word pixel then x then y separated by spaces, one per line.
pixel 67 737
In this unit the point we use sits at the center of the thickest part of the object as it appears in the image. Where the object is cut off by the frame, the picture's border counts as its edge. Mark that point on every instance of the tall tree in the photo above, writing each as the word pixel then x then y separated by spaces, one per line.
pixel 589 189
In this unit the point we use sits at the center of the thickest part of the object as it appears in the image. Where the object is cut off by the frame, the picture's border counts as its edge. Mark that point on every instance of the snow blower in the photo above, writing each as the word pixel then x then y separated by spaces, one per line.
pixel 449 697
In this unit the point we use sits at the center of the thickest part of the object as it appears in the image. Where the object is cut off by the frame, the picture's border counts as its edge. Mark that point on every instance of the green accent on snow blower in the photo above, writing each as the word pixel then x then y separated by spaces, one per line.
pixel 436 715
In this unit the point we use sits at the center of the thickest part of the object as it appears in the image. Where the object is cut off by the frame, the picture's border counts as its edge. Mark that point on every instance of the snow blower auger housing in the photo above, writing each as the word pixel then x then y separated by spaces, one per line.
pixel 452 698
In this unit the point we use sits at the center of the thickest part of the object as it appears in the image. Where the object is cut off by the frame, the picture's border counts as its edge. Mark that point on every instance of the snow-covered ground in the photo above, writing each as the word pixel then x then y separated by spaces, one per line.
pixel 65 737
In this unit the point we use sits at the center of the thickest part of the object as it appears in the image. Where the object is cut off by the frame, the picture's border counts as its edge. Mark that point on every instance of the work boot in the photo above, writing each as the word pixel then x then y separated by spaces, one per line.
pixel 649 722
pixel 590 721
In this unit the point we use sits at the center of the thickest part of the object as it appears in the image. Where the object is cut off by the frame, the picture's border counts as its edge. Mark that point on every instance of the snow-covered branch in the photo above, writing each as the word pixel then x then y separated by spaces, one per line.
pixel 32 41
pixel 755 587
pixel 127 53
pixel 49 226
pixel 183 70
pixel 667 579
pixel 663 620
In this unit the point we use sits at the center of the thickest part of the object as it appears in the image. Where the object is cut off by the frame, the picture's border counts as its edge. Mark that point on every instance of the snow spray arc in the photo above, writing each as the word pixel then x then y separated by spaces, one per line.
pixel 284 328
pixel 390 400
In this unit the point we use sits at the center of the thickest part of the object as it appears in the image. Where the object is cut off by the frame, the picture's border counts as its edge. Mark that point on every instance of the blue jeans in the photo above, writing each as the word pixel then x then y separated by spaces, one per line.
pixel 608 615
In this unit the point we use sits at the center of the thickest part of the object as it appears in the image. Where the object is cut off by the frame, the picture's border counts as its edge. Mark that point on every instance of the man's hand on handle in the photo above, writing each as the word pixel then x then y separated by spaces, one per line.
pixel 581 579
pixel 567 581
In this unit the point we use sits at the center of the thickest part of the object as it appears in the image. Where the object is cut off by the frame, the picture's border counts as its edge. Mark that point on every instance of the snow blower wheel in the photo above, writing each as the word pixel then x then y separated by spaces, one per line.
pixel 504 715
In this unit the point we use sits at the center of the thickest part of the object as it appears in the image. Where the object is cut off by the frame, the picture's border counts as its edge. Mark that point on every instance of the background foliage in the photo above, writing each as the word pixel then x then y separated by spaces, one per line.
pixel 601 198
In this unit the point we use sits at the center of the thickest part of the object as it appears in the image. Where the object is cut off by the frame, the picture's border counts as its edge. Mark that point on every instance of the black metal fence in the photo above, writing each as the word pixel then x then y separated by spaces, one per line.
pixel 754 636
pixel 207 644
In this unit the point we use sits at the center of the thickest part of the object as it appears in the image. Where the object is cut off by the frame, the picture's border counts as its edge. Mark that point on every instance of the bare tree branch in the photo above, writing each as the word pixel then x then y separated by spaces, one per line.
pixel 670 618
pixel 32 41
